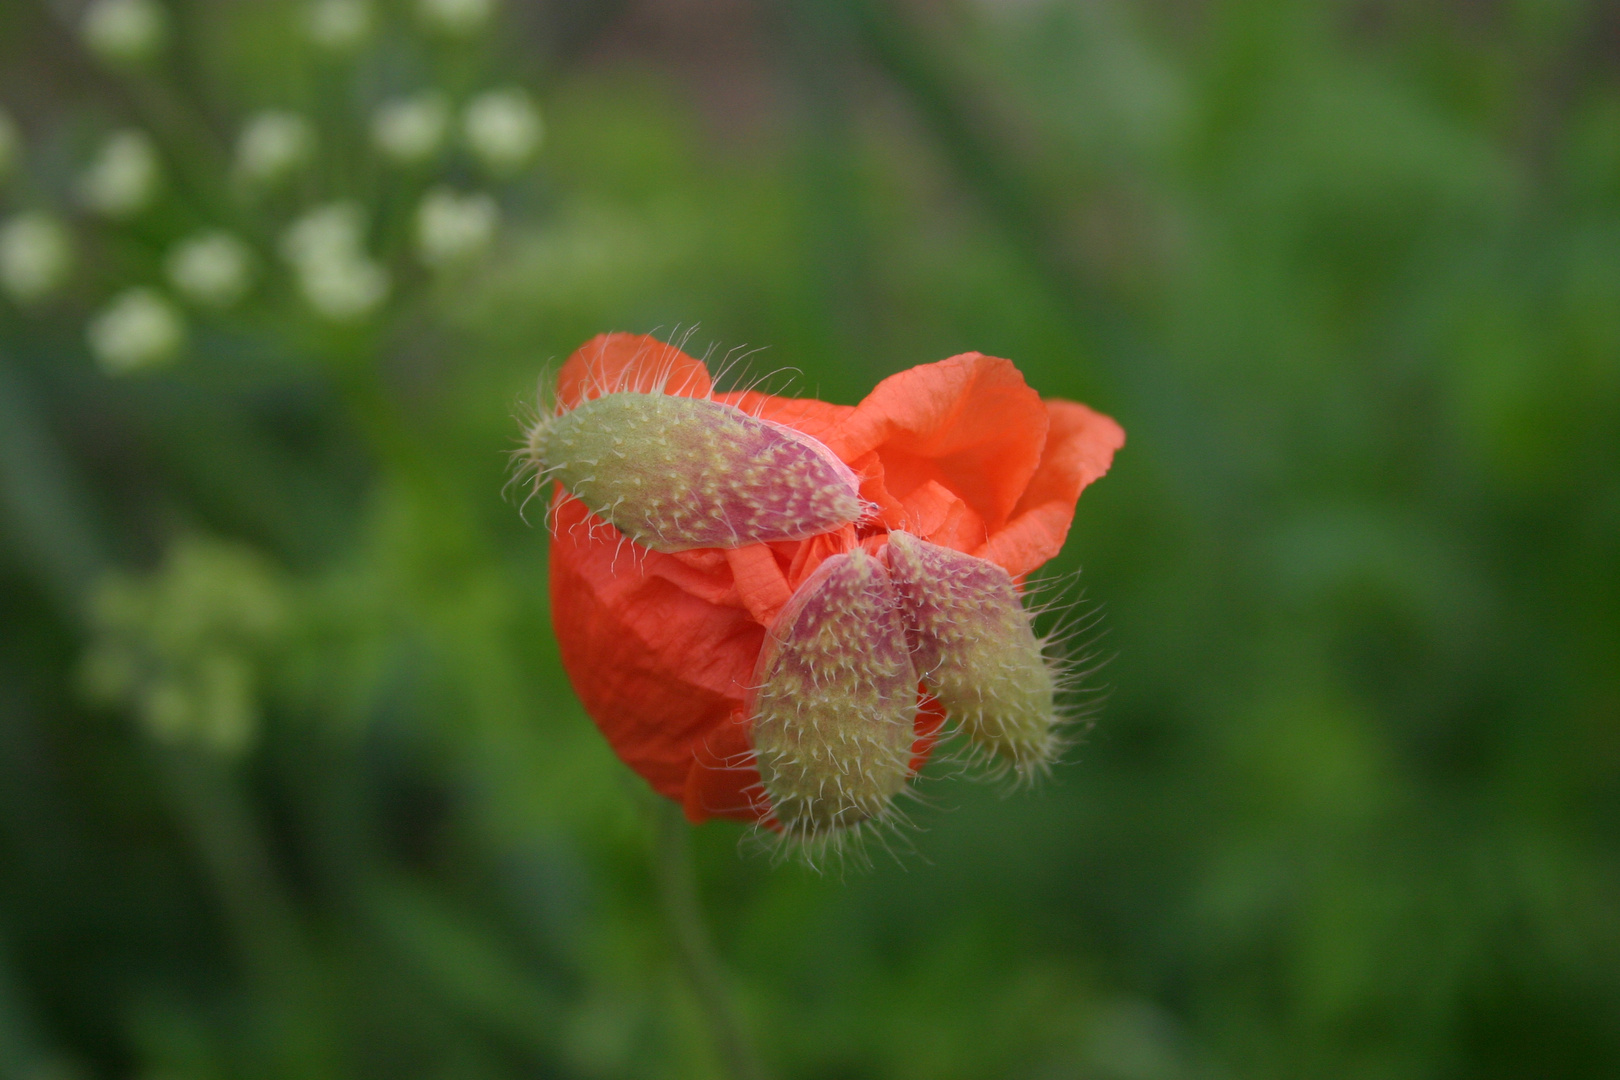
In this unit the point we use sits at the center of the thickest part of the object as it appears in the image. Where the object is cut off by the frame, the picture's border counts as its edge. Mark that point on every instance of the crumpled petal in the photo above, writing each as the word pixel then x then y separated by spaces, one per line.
pixel 656 666
pixel 638 363
pixel 815 418
pixel 723 781
pixel 1080 447
pixel 970 424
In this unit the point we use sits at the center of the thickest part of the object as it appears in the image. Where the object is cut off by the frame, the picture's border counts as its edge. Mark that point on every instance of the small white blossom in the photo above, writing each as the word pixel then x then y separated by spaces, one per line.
pixel 137 330
pixel 456 16
pixel 338 25
pixel 10 143
pixel 124 176
pixel 452 227
pixel 124 31
pixel 272 145
pixel 503 127
pixel 334 273
pixel 335 230
pixel 212 268
pixel 35 256
pixel 343 289
pixel 411 129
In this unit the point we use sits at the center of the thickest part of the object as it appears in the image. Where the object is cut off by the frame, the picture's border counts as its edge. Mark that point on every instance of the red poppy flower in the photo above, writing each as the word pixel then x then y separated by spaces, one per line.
pixel 665 648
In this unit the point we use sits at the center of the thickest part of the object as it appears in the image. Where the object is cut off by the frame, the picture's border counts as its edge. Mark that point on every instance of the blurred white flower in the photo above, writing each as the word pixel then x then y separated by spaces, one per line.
pixel 35 255
pixel 124 176
pixel 503 127
pixel 337 278
pixel 338 24
pixel 211 268
pixel 335 230
pixel 456 16
pixel 452 227
pixel 138 329
pixel 273 144
pixel 411 129
pixel 343 289
pixel 124 31
pixel 10 143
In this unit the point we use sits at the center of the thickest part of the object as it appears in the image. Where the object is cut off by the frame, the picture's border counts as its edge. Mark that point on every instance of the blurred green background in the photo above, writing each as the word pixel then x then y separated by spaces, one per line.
pixel 291 782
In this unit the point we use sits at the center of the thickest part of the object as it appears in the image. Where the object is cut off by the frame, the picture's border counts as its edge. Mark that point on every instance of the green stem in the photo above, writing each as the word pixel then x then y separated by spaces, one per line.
pixel 280 968
pixel 678 893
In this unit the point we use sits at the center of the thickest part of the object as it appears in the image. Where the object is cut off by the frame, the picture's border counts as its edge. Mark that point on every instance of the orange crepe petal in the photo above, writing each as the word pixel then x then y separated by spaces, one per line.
pixel 760 583
pixel 638 363
pixel 723 781
pixel 970 423
pixel 1079 449
pixel 657 667
pixel 817 419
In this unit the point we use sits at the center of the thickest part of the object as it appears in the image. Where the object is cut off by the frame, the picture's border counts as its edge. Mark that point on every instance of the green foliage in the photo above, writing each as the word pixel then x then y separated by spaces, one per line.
pixel 180 649
pixel 1346 273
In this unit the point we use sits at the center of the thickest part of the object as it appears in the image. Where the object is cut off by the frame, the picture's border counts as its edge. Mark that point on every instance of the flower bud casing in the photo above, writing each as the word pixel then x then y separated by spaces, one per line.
pixel 835 701
pixel 977 651
pixel 677 473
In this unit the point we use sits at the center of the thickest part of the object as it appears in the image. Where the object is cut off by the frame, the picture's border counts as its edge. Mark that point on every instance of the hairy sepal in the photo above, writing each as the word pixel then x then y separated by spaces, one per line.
pixel 676 473
pixel 977 651
pixel 834 702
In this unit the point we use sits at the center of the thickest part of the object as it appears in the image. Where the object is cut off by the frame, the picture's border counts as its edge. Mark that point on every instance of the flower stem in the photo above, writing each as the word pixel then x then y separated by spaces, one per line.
pixel 678 894
pixel 285 985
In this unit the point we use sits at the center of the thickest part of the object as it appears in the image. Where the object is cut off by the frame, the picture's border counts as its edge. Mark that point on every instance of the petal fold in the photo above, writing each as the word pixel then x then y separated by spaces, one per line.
pixel 656 666
pixel 969 423
pixel 1079 449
